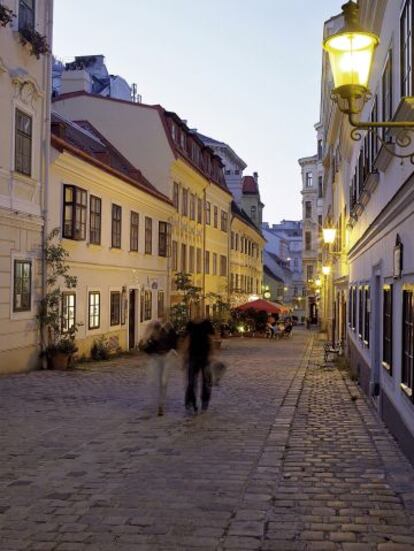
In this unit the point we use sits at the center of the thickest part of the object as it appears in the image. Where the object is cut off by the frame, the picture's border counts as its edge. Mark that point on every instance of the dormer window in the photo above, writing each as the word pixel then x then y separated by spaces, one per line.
pixel 26 15
pixel 182 140
pixel 195 153
pixel 174 132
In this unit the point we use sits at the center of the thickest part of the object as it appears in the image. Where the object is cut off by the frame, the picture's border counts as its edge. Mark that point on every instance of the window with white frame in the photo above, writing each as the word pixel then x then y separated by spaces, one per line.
pixel 22 286
pixel 387 327
pixel 23 143
pixel 94 310
pixel 26 15
pixel 74 212
pixel 115 313
pixel 161 304
pixel 68 311
pixel 407 359
pixel 147 305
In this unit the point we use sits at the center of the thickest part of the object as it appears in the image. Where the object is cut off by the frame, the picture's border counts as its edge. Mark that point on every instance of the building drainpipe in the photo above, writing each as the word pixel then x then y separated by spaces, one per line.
pixel 45 157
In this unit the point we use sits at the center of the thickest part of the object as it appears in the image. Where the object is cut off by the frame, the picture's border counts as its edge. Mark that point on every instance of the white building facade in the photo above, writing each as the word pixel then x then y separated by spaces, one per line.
pixel 369 198
pixel 24 136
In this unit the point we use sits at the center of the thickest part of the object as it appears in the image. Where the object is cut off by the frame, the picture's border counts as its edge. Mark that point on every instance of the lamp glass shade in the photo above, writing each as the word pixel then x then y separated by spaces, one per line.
pixel 350 57
pixel 329 235
pixel 326 270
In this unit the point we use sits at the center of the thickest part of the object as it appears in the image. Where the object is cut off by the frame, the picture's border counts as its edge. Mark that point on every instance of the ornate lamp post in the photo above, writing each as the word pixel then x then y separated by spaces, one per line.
pixel 351 51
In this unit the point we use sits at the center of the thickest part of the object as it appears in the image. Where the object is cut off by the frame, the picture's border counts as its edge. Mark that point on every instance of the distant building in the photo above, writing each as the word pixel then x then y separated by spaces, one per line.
pixel 284 246
pixel 90 74
pixel 312 209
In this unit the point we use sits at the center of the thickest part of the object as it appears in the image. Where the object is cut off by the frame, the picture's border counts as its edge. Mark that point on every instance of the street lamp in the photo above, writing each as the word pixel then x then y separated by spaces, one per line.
pixel 326 270
pixel 351 51
pixel 329 235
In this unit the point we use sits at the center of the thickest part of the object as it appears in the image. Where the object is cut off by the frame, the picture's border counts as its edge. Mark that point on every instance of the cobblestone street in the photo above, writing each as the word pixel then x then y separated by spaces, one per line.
pixel 289 456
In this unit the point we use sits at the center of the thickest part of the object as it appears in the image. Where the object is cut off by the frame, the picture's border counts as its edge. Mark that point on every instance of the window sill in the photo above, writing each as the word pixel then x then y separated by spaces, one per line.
pixel 28 179
pixel 133 252
pixel 115 249
pixel 406 390
pixel 387 367
pixel 94 246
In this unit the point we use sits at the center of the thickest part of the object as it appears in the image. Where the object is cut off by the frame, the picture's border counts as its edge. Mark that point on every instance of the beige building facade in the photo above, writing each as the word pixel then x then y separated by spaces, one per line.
pixel 24 135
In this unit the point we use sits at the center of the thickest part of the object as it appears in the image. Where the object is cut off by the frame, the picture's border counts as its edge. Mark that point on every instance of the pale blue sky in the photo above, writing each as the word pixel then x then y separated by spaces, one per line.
pixel 246 72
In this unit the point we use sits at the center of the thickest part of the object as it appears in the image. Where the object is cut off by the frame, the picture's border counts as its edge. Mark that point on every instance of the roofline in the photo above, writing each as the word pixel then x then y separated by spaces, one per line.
pixel 162 113
pixel 60 144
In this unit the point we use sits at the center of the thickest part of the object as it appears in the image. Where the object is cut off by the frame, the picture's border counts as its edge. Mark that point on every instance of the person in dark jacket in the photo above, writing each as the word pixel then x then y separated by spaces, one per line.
pixel 199 347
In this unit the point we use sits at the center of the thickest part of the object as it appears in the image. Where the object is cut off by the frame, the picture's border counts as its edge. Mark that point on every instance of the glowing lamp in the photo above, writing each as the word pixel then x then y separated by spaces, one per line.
pixel 329 235
pixel 318 282
pixel 326 270
pixel 351 52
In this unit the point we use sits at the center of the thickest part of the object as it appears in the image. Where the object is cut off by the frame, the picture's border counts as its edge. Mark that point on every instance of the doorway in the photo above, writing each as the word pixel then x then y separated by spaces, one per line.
pixel 132 318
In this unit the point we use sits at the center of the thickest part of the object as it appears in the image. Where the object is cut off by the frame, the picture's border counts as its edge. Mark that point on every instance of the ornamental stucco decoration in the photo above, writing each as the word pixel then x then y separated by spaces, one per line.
pixel 27 88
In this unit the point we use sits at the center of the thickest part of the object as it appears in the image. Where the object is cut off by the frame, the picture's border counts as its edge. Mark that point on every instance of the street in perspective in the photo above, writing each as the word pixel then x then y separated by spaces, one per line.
pixel 206 275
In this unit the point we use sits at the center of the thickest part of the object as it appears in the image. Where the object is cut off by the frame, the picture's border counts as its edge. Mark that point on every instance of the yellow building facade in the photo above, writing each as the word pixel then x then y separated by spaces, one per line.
pixel 116 228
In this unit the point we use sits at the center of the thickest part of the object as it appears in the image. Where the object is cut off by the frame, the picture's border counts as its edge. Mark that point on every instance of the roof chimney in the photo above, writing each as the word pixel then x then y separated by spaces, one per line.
pixel 256 176
pixel 75 81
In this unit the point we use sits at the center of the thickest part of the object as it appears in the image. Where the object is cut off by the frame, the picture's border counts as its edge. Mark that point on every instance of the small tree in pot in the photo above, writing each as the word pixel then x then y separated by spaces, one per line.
pixel 6 15
pixel 59 345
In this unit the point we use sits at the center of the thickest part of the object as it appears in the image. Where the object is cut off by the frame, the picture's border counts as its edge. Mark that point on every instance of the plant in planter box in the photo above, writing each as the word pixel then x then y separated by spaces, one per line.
pixel 59 344
pixel 180 313
pixel 37 41
pixel 6 15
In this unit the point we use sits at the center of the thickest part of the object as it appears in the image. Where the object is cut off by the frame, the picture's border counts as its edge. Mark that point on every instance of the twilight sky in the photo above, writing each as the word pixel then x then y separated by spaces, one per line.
pixel 246 72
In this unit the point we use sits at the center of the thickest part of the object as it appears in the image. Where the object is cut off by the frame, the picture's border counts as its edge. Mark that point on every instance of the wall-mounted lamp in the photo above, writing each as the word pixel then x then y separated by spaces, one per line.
pixel 329 235
pixel 326 270
pixel 351 51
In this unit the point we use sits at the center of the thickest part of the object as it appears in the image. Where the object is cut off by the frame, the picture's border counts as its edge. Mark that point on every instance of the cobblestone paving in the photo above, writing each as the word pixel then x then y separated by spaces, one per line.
pixel 289 456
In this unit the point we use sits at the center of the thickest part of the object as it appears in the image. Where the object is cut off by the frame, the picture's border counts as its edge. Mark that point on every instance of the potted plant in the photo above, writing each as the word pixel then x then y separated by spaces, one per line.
pixel 180 313
pixel 38 42
pixel 6 15
pixel 58 346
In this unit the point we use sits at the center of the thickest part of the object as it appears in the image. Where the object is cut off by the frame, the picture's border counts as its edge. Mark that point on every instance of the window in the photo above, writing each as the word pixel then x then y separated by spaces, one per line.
pixel 236 244
pixel 320 187
pixel 407 374
pixel 148 235
pixel 308 179
pixel 406 49
pixel 174 259
pixel 308 209
pixel 387 90
pixel 95 208
pixel 94 309
pixel 232 240
pixel 387 328
pixel 74 212
pixel 199 210
pixel 237 172
pixel 208 213
pixel 308 241
pixel 161 304
pixel 198 261
pixel 320 223
pixel 134 232
pixel 214 263
pixel 223 265
pixel 176 195
pixel 183 258
pixel 115 307
pixel 253 212
pixel 191 260
pixel 22 286
pixel 350 307
pixel 215 217
pixel 68 311
pixel 164 236
pixel 184 204
pixel 192 207
pixel 367 308
pixel 309 272
pixel 320 150
pixel 207 262
pixel 354 307
pixel 224 219
pixel 23 144
pixel 116 226
pixel 147 305
pixel 360 312
pixel 26 15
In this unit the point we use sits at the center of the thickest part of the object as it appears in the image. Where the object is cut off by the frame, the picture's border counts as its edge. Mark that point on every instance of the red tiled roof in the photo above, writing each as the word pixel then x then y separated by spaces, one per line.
pixel 83 140
pixel 249 185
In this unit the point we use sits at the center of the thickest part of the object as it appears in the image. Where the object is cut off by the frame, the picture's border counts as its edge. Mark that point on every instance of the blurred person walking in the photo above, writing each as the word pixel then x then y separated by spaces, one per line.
pixel 198 351
pixel 160 343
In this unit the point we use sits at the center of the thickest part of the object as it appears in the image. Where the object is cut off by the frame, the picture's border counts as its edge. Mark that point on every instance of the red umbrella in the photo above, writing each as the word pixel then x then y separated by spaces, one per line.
pixel 264 305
